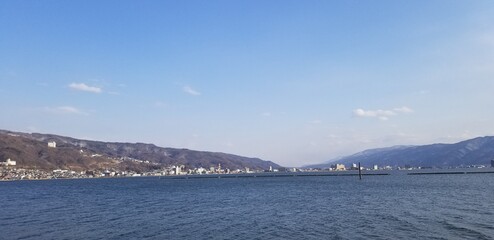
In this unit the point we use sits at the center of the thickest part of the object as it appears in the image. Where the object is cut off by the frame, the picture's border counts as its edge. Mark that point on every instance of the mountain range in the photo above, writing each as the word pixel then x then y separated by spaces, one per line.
pixel 31 150
pixel 477 151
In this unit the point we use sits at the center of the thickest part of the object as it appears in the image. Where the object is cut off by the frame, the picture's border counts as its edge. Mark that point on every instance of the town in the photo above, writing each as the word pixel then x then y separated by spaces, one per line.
pixel 9 171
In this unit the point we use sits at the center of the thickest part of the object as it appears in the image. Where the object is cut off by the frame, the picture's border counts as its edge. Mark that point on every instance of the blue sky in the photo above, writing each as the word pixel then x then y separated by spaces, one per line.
pixel 295 82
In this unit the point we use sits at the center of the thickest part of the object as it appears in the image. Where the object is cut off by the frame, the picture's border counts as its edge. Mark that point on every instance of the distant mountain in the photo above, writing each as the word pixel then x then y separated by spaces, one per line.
pixel 31 150
pixel 477 151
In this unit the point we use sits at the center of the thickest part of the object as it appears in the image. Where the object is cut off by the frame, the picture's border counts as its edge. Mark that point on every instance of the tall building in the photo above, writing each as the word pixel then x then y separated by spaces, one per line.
pixel 179 170
pixel 492 163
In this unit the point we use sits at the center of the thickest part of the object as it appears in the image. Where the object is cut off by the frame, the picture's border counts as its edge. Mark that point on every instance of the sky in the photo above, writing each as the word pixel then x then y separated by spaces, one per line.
pixel 294 82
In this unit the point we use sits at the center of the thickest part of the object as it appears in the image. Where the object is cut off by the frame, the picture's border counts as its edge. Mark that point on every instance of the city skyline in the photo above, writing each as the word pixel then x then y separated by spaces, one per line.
pixel 292 82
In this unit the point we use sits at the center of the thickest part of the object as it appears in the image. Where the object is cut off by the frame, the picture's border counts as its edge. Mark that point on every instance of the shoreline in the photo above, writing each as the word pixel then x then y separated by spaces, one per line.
pixel 346 173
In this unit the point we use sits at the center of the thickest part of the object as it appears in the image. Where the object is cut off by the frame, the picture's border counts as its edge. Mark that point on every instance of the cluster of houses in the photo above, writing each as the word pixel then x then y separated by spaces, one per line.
pixel 342 167
pixel 182 170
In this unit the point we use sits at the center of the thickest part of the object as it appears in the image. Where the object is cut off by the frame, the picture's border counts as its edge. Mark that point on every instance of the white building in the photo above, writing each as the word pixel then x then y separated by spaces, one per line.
pixel 179 170
pixel 340 167
pixel 8 163
pixel 52 144
pixel 201 170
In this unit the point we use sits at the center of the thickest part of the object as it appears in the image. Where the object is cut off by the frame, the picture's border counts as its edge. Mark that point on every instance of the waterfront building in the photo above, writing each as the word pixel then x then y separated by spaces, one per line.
pixel 492 163
pixel 179 170
pixel 201 170
pixel 340 167
pixel 8 163
pixel 376 167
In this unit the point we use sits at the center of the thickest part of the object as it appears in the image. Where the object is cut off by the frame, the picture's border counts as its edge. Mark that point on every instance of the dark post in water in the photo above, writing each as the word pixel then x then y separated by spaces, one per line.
pixel 359 171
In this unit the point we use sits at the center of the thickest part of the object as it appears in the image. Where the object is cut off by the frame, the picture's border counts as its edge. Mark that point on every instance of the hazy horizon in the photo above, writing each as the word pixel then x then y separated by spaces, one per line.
pixel 293 82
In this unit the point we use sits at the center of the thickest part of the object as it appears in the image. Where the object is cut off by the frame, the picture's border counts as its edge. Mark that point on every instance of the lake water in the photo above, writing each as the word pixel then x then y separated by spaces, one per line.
pixel 377 207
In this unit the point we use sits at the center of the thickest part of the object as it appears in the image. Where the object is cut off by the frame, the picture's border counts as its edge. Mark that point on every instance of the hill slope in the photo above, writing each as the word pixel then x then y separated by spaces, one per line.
pixel 31 150
pixel 477 151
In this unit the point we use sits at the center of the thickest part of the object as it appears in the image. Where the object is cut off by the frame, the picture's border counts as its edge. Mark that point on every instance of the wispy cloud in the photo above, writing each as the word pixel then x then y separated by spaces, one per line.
pixel 65 110
pixel 381 114
pixel 189 90
pixel 84 87
pixel 403 110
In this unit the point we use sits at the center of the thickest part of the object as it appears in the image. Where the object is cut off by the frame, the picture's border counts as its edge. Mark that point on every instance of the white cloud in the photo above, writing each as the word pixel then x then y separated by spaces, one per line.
pixel 65 110
pixel 191 91
pixel 381 114
pixel 84 87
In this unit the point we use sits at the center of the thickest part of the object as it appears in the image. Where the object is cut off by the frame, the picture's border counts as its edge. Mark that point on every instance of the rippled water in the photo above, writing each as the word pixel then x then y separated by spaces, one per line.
pixel 378 207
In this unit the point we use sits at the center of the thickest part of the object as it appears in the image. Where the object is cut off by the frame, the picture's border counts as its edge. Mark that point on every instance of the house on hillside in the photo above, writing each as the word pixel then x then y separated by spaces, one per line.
pixel 52 144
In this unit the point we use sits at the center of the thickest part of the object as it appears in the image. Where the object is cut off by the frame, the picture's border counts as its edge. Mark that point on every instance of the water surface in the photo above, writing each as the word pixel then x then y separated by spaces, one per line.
pixel 378 207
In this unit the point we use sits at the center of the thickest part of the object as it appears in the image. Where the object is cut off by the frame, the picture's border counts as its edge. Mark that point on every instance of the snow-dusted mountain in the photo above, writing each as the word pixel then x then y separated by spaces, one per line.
pixel 477 151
